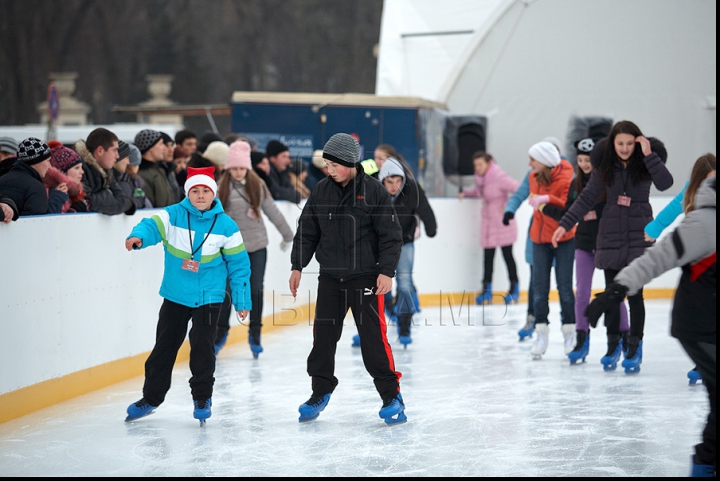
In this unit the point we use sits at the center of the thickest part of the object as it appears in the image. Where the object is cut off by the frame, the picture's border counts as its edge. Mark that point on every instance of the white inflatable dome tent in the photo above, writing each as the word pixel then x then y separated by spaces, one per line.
pixel 534 69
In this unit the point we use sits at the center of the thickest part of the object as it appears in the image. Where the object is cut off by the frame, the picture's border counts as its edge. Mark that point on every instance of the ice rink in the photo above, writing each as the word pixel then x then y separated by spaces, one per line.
pixel 477 405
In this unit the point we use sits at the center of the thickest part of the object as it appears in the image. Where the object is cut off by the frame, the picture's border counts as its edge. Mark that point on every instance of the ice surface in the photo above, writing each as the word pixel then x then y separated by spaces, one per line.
pixel 477 405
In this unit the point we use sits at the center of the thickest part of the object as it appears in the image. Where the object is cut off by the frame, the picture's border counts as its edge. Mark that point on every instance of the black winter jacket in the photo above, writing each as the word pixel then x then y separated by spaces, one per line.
pixel 24 186
pixel 410 204
pixel 280 186
pixel 621 232
pixel 353 231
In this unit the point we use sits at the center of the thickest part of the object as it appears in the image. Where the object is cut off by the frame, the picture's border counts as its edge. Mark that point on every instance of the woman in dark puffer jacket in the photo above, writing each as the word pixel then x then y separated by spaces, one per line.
pixel 627 165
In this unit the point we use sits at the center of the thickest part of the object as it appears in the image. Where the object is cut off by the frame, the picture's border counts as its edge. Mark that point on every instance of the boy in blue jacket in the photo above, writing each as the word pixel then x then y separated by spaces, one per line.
pixel 203 248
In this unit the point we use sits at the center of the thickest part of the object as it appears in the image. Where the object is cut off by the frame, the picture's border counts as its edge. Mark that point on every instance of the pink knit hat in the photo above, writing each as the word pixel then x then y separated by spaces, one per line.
pixel 239 155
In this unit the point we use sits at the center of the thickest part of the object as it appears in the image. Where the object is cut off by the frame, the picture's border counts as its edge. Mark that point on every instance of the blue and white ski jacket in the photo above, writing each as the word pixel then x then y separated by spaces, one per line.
pixel 221 256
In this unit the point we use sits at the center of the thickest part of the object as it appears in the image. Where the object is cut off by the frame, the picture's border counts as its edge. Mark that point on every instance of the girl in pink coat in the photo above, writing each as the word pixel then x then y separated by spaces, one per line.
pixel 494 187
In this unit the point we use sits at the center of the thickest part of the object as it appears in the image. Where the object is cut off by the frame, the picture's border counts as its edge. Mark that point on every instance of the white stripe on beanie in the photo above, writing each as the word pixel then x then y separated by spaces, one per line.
pixel 198 180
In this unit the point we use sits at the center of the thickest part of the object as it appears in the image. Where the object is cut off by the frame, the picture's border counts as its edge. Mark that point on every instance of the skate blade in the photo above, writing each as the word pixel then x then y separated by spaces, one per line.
pixel 129 419
pixel 632 370
pixel 400 419
pixel 306 419
pixel 537 357
pixel 609 367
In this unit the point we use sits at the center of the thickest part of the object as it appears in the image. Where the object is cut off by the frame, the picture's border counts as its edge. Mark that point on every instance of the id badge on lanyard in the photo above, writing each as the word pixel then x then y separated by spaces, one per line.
pixel 624 200
pixel 191 265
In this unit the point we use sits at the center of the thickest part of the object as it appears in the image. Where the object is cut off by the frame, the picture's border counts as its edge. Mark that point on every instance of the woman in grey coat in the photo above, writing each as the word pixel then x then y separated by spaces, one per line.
pixel 626 165
pixel 245 197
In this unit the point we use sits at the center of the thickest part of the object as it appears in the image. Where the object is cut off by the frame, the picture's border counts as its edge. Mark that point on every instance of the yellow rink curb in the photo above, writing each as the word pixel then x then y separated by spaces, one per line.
pixel 20 402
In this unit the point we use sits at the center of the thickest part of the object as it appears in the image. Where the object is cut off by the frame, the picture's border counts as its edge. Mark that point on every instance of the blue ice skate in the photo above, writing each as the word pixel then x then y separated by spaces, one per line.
pixel 632 364
pixel 405 340
pixel 393 411
pixel 356 340
pixel 311 409
pixel 221 343
pixel 610 360
pixel 416 300
pixel 582 348
pixel 694 376
pixel 202 410
pixel 139 410
pixel 702 471
pixel 528 329
pixel 485 297
pixel 513 296
pixel 255 346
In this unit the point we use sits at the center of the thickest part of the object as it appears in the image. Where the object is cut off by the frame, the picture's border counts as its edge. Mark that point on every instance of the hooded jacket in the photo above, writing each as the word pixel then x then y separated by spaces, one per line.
pixel 621 233
pixel 495 189
pixel 353 231
pixel 693 246
pixel 102 192
pixel 222 255
pixel 410 203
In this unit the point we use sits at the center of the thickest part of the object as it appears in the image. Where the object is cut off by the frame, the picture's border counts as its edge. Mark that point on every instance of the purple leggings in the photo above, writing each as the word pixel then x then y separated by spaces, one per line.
pixel 584 270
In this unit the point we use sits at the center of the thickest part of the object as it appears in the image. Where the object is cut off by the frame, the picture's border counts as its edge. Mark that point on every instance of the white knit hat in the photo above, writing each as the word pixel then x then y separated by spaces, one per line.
pixel 217 153
pixel 545 153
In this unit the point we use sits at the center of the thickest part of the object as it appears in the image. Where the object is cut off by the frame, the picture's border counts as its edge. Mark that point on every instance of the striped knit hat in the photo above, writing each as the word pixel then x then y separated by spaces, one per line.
pixel 342 149
pixel 9 145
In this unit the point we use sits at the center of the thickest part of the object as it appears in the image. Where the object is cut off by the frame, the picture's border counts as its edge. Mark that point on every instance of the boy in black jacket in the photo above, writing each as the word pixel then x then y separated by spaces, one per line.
pixel 410 203
pixel 350 225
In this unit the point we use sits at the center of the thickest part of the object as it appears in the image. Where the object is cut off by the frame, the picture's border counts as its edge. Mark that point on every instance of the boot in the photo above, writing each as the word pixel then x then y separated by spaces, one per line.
pixel 633 357
pixel 528 329
pixel 568 331
pixel 404 323
pixel 541 341
pixel 221 338
pixel 485 296
pixel 513 294
pixel 582 347
pixel 615 347
pixel 694 376
pixel 254 340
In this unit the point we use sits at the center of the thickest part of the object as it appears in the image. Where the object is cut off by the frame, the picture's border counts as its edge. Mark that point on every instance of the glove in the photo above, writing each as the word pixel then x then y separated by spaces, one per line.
pixel 284 246
pixel 508 217
pixel 603 302
pixel 536 201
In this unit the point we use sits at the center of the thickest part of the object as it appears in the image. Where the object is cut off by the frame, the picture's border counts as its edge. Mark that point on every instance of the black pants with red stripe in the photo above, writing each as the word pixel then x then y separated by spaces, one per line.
pixel 335 297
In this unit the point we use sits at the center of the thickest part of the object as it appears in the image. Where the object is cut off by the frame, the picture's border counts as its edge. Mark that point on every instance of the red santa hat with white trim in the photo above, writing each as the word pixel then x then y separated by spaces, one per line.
pixel 201 176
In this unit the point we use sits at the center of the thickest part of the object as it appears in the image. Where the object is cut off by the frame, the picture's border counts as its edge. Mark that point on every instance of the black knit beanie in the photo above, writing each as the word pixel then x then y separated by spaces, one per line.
pixel 342 149
pixel 33 151
pixel 275 147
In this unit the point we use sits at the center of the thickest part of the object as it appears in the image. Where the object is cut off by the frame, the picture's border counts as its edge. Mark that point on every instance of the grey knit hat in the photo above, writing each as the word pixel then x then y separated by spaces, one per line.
pixel 9 145
pixel 135 155
pixel 342 149
pixel 33 151
pixel 146 139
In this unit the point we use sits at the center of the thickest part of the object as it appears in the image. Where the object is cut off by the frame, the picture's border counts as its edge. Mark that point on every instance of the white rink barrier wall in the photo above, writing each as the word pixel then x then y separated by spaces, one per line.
pixel 72 297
